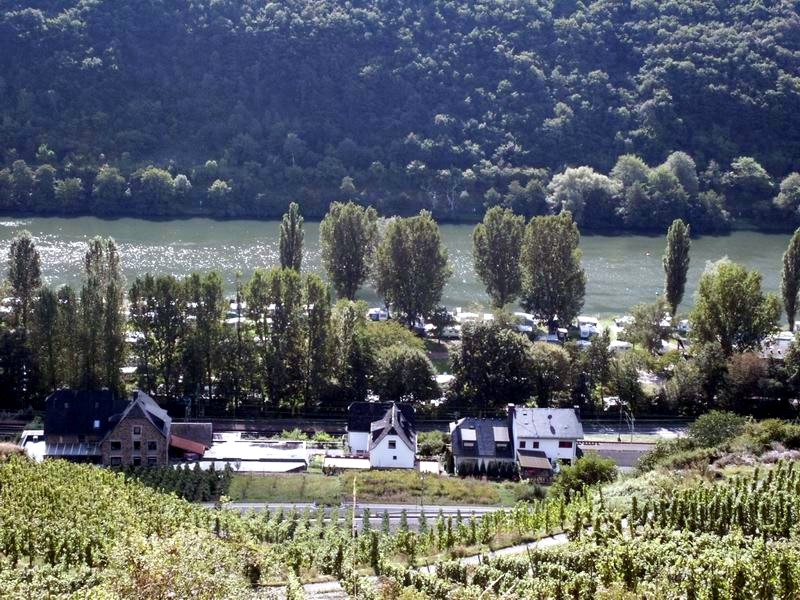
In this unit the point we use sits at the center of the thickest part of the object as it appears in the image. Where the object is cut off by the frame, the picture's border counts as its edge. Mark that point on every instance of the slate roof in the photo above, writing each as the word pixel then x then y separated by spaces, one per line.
pixel 74 412
pixel 144 407
pixel 361 415
pixel 543 423
pixel 485 439
pixel 393 422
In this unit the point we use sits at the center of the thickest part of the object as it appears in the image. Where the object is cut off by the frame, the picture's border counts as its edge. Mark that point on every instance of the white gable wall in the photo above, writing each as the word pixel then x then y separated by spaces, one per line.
pixel 358 441
pixel 549 446
pixel 399 457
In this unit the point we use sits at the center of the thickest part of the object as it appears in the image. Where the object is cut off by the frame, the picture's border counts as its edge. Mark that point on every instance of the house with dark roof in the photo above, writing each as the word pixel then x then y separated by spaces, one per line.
pixel 101 428
pixel 532 440
pixel 481 445
pixel 554 431
pixel 385 432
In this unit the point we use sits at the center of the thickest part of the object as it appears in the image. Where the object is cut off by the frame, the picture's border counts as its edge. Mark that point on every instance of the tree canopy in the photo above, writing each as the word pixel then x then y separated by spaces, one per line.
pixel 236 109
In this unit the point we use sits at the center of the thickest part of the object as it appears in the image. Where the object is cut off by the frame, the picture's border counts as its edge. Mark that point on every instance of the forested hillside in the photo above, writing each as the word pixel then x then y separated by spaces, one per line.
pixel 241 106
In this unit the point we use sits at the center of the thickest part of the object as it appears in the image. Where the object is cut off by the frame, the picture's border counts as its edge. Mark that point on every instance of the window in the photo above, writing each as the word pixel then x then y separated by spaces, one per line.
pixel 565 444
pixel 522 443
pixel 137 461
pixel 535 444
pixel 116 461
pixel 392 444
pixel 152 446
pixel 152 461
pixel 137 430
pixel 394 458
pixel 137 445
pixel 96 424
pixel 116 445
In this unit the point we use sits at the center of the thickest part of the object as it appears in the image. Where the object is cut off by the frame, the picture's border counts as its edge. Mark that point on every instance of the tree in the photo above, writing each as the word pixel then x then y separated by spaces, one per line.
pixel 441 318
pixel 629 170
pixel 70 335
pixel 684 168
pixel 108 192
pixel 69 194
pixel 291 240
pixel 354 359
pixel 318 339
pixel 715 428
pixel 24 275
pixel 790 278
pixel 597 359
pixel 45 339
pixel 577 188
pixel 732 309
pixel 405 375
pixel 496 246
pixel 789 196
pixel 588 470
pixel 205 295
pixel 676 263
pixel 102 321
pixel 624 382
pixel 550 371
pixel 492 366
pixel 412 266
pixel 347 236
pixel 746 184
pixel 158 311
pixel 553 282
pixel 646 328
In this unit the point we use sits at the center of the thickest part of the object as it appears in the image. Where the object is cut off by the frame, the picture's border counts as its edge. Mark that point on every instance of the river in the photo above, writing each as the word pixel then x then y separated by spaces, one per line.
pixel 621 271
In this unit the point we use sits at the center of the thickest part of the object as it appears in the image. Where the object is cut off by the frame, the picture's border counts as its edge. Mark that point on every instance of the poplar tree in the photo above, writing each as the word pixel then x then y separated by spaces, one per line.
pixel 69 332
pixel 102 321
pixel 44 338
pixel 412 266
pixel 347 237
pixel 553 281
pixel 676 263
pixel 291 239
pixel 24 275
pixel 790 278
pixel 496 247
pixel 318 339
pixel 206 296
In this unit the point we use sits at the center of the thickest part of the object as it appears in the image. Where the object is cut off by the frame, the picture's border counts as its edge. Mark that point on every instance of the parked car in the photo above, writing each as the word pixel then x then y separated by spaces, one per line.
pixel 588 326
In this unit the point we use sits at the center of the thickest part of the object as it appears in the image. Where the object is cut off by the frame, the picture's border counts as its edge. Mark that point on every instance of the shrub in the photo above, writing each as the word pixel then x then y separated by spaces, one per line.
pixel 432 443
pixel 663 450
pixel 716 427
pixel 764 433
pixel 529 493
pixel 588 470
pixel 8 450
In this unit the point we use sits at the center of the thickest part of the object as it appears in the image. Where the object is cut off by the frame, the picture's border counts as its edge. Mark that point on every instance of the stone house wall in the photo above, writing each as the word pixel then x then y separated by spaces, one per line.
pixel 119 446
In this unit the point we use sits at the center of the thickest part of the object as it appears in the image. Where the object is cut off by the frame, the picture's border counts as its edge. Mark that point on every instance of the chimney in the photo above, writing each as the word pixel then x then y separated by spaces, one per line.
pixel 510 409
pixel 577 410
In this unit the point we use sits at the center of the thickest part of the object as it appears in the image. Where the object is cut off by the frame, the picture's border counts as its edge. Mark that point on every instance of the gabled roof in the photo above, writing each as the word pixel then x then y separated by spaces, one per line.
pixel 361 415
pixel 491 437
pixel 81 412
pixel 144 407
pixel 543 423
pixel 393 422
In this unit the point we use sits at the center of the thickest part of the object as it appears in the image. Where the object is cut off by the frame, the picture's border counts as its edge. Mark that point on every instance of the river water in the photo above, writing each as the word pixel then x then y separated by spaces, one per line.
pixel 621 270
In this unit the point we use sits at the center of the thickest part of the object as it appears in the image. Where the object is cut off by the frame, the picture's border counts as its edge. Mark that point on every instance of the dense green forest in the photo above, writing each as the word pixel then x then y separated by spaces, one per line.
pixel 232 109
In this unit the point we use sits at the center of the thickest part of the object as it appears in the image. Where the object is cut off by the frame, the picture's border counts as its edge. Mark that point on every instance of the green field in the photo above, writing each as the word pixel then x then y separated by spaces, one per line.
pixel 400 487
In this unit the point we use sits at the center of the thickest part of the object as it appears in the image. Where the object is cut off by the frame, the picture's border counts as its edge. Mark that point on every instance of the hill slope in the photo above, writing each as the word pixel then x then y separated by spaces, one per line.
pixel 421 104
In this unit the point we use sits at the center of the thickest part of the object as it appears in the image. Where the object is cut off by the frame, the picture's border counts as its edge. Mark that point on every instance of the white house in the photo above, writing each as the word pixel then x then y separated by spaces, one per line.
pixel 553 431
pixel 385 432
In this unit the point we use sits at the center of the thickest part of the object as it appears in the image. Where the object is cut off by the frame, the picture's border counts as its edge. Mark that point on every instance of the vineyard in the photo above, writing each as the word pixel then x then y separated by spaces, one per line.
pixel 75 531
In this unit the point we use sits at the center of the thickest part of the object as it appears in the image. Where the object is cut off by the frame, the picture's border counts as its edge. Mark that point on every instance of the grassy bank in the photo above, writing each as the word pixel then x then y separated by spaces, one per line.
pixel 395 487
